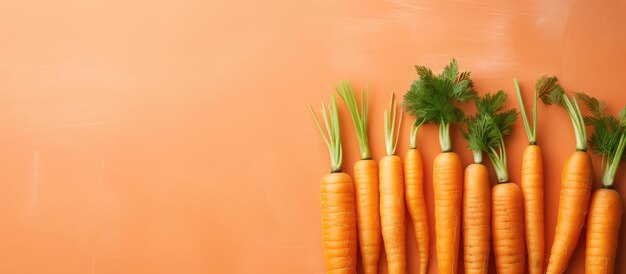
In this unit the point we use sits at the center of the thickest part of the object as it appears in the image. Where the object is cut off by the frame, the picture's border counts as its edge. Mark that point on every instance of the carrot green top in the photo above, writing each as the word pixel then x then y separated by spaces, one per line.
pixel 331 121
pixel 414 129
pixel 391 135
pixel 435 98
pixel 543 88
pixel 486 130
pixel 557 96
pixel 609 137
pixel 358 118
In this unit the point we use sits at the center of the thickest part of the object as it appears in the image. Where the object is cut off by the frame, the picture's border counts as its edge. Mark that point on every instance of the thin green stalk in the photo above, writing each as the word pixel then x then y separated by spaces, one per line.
pixel 613 163
pixel 478 156
pixel 333 142
pixel 413 136
pixel 529 133
pixel 578 123
pixel 359 118
pixel 444 137
pixel 391 139
pixel 498 159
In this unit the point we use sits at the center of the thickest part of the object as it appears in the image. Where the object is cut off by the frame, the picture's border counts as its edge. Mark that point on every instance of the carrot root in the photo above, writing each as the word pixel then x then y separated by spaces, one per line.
pixel 368 218
pixel 416 205
pixel 603 223
pixel 339 231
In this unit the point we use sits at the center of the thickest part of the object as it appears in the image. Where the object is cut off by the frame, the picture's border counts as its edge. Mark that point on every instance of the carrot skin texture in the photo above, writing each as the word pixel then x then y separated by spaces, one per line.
pixel 392 213
pixel 368 217
pixel 574 197
pixel 603 223
pixel 416 205
pixel 532 190
pixel 476 219
pixel 448 188
pixel 339 228
pixel 508 228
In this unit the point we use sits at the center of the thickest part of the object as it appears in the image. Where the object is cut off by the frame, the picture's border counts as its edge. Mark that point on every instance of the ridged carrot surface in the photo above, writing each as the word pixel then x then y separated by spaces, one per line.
pixel 573 204
pixel 448 188
pixel 414 197
pixel 368 217
pixel 508 228
pixel 603 223
pixel 476 219
pixel 338 223
pixel 392 213
pixel 532 190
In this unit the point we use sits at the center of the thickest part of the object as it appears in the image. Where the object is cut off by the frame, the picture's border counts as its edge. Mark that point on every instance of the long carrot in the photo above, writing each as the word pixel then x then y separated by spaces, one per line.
pixel 605 210
pixel 366 183
pixel 414 196
pixel 532 179
pixel 476 219
pixel 434 99
pixel 392 196
pixel 485 133
pixel 339 233
pixel 575 191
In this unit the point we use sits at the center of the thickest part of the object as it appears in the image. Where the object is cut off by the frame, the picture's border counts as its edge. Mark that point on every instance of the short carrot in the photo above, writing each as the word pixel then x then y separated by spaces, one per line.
pixel 576 181
pixel 366 183
pixel 485 133
pixel 605 210
pixel 414 197
pixel 392 213
pixel 339 232
pixel 434 99
pixel 532 179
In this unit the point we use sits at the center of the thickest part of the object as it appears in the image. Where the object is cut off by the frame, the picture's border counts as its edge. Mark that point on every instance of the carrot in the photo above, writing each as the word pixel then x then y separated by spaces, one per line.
pixel 576 180
pixel 434 99
pixel 485 133
pixel 414 197
pixel 507 227
pixel 532 179
pixel 605 218
pixel 392 196
pixel 448 188
pixel 366 183
pixel 339 235
pixel 605 210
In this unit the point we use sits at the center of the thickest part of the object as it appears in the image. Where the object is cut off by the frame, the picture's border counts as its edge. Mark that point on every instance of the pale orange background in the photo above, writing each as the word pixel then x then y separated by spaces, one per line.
pixel 173 136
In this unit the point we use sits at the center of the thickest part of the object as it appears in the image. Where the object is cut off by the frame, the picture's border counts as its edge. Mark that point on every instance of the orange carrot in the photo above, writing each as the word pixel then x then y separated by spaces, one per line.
pixel 414 197
pixel 508 228
pixel 392 197
pixel 485 132
pixel 448 188
pixel 366 183
pixel 605 218
pixel 434 99
pixel 339 234
pixel 532 178
pixel 476 219
pixel 532 191
pixel 576 181
pixel 605 210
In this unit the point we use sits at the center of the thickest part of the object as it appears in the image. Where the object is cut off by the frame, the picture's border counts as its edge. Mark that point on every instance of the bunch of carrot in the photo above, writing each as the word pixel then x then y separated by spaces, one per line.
pixel 507 216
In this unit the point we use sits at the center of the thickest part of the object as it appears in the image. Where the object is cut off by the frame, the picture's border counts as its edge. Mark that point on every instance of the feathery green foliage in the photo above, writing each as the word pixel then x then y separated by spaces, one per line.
pixel 557 96
pixel 435 98
pixel 358 118
pixel 485 131
pixel 543 88
pixel 609 136
pixel 333 142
